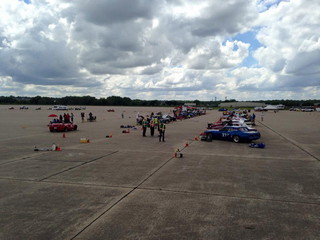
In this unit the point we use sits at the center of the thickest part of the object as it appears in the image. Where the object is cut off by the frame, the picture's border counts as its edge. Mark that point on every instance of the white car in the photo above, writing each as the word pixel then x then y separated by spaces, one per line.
pixel 242 124
pixel 307 110
pixel 59 107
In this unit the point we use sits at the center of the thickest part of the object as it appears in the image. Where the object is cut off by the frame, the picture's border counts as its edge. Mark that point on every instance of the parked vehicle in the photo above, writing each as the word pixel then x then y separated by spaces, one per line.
pixel 167 118
pixel 59 107
pixel 62 127
pixel 260 109
pixel 243 124
pixel 296 109
pixel 217 125
pixel 80 108
pixel 307 109
pixel 240 123
pixel 274 107
pixel 235 133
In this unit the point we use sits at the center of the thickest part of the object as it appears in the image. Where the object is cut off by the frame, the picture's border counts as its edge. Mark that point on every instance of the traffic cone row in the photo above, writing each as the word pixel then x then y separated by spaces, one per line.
pixel 58 148
pixel 177 153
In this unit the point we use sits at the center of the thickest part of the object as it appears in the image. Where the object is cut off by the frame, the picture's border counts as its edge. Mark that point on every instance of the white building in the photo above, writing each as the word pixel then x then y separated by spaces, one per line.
pixel 190 104
pixel 274 107
pixel 242 104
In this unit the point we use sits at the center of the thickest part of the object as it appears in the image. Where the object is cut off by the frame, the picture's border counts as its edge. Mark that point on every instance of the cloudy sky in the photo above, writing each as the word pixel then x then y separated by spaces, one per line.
pixel 161 49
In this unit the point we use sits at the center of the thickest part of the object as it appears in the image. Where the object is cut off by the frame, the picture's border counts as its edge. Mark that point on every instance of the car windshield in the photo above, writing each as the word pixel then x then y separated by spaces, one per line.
pixel 243 129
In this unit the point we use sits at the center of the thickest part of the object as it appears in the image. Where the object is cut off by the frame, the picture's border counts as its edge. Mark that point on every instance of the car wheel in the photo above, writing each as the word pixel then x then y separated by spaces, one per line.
pixel 209 137
pixel 66 129
pixel 75 127
pixel 236 139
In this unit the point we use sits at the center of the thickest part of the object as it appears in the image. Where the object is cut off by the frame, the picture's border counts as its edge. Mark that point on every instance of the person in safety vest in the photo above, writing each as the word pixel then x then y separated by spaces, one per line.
pixel 162 129
pixel 144 126
pixel 156 123
pixel 151 125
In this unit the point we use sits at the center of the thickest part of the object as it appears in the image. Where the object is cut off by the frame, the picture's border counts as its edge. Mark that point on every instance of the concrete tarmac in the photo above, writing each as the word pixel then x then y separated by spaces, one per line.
pixel 132 187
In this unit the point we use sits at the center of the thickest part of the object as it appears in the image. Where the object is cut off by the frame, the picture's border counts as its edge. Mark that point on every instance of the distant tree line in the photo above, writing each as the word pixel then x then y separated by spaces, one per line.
pixel 125 101
pixel 86 101
pixel 293 103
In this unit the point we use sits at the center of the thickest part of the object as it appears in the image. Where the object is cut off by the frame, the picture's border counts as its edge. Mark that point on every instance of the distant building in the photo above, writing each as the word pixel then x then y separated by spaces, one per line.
pixel 242 104
pixel 275 107
pixel 190 104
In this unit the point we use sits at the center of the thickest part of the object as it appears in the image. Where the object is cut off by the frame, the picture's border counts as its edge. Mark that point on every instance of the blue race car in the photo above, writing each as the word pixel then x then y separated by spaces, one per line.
pixel 235 133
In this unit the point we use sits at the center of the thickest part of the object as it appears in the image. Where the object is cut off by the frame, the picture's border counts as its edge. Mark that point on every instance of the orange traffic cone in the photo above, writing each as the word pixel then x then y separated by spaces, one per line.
pixel 64 135
pixel 187 144
pixel 196 138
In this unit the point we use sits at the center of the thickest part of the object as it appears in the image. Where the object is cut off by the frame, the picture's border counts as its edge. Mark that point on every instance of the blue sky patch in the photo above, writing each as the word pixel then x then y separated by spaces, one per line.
pixel 26 1
pixel 249 37
pixel 268 5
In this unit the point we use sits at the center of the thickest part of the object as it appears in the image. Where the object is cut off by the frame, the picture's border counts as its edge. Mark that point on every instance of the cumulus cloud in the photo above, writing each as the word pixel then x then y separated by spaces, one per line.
pixel 230 17
pixel 214 55
pixel 103 12
pixel 291 44
pixel 160 49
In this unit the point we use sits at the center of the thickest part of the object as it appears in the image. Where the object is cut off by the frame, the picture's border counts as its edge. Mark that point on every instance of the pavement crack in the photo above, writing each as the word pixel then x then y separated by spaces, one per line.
pixel 123 197
pixel 101 214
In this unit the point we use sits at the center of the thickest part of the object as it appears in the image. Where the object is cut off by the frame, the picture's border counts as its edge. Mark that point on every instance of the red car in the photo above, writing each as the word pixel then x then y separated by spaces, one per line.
pixel 217 125
pixel 62 127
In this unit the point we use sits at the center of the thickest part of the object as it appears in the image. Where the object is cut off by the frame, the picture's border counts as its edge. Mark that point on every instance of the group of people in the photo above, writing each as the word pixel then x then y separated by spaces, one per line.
pixel 153 123
pixel 65 118
pixel 91 117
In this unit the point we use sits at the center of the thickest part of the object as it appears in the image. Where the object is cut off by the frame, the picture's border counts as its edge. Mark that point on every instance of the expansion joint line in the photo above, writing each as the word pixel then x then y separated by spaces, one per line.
pixel 122 198
pixel 292 142
pixel 159 168
pixel 104 212
pixel 84 163
pixel 231 196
